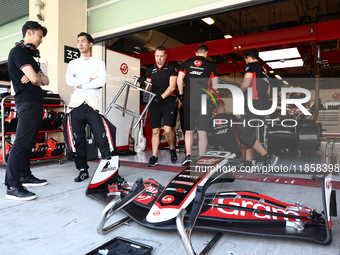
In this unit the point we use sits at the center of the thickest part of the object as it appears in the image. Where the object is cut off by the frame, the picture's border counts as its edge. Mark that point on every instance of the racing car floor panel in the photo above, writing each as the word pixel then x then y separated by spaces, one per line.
pixel 62 220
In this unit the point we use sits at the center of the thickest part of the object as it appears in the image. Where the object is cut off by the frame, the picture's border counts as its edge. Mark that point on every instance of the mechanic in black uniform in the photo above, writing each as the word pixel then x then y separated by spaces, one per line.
pixel 255 77
pixel 199 74
pixel 163 77
pixel 224 131
pixel 27 78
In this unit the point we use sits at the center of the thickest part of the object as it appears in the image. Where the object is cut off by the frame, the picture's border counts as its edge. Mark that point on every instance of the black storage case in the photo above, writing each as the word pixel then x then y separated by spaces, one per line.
pixel 122 246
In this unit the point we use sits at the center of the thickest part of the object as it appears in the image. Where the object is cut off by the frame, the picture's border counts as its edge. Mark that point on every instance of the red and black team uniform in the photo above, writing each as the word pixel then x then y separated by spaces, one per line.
pixel 160 82
pixel 225 133
pixel 29 105
pixel 259 85
pixel 198 74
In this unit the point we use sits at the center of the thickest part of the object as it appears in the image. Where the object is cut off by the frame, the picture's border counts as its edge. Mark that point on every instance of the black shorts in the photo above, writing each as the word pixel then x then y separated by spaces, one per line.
pixel 192 113
pixel 165 112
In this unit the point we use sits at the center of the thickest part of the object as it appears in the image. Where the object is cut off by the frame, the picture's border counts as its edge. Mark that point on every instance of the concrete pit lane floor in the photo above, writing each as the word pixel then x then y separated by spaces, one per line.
pixel 63 221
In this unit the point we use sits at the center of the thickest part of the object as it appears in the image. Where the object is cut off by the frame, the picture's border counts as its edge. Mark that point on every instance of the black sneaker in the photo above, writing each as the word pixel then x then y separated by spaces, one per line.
pixel 32 181
pixel 186 161
pixel 20 193
pixel 153 161
pixel 269 160
pixel 173 155
pixel 83 174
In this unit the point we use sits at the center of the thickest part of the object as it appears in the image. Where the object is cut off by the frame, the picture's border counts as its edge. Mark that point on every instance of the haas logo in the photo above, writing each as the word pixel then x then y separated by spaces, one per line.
pixel 218 122
pixel 198 63
pixel 336 96
pixel 168 199
pixel 124 68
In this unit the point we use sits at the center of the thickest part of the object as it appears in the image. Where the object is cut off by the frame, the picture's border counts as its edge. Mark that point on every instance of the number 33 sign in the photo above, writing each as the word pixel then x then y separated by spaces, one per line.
pixel 70 53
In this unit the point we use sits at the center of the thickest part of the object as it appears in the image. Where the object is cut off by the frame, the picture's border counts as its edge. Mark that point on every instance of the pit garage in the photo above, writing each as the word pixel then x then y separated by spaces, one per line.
pixel 65 221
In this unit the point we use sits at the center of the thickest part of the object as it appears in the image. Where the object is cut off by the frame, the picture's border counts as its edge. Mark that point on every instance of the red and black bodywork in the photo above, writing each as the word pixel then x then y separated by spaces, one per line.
pixel 243 212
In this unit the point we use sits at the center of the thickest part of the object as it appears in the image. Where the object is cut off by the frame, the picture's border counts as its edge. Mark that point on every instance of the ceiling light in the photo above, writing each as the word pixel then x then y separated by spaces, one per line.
pixel 285 64
pixel 286 82
pixel 278 77
pixel 209 21
pixel 271 71
pixel 279 54
pixel 227 36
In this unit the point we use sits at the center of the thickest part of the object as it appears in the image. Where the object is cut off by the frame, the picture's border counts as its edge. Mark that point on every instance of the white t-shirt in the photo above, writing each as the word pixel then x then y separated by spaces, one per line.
pixel 79 72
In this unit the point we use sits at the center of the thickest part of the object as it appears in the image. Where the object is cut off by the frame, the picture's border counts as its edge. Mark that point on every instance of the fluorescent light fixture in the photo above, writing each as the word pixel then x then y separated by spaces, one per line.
pixel 227 36
pixel 285 64
pixel 278 77
pixel 279 54
pixel 271 71
pixel 286 82
pixel 209 21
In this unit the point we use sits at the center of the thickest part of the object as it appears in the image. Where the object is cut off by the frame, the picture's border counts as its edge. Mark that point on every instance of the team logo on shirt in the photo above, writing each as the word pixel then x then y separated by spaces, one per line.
pixel 218 122
pixel 198 62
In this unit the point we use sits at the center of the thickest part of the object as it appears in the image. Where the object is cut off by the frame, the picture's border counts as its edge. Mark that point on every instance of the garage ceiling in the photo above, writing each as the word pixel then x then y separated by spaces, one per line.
pixel 265 18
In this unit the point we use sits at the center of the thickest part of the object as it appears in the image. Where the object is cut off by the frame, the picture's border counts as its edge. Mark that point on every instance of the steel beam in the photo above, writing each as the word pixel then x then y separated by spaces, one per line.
pixel 314 32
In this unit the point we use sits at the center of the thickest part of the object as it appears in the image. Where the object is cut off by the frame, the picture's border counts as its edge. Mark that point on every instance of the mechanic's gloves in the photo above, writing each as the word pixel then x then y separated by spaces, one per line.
pixel 141 81
pixel 156 100
pixel 181 98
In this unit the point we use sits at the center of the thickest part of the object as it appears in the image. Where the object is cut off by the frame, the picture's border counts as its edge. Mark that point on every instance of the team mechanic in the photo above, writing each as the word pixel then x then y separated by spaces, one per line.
pixel 163 76
pixel 255 76
pixel 225 134
pixel 198 73
pixel 87 75
pixel 27 78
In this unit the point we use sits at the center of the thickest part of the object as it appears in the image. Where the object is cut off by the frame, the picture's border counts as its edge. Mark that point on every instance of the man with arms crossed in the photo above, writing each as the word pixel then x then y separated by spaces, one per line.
pixel 87 75
pixel 27 79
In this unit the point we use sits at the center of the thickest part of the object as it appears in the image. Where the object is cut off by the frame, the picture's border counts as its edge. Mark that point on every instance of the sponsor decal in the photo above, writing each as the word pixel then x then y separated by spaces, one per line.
pixel 181 190
pixel 146 197
pixel 196 72
pixel 168 199
pixel 106 168
pixel 156 213
pixel 251 204
pixel 223 131
pixel 188 176
pixel 183 182
pixel 177 190
pixel 206 161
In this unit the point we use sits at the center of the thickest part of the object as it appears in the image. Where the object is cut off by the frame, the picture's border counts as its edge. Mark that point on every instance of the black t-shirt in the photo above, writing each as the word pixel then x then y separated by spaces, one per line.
pixel 19 58
pixel 160 78
pixel 224 129
pixel 260 80
pixel 198 74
